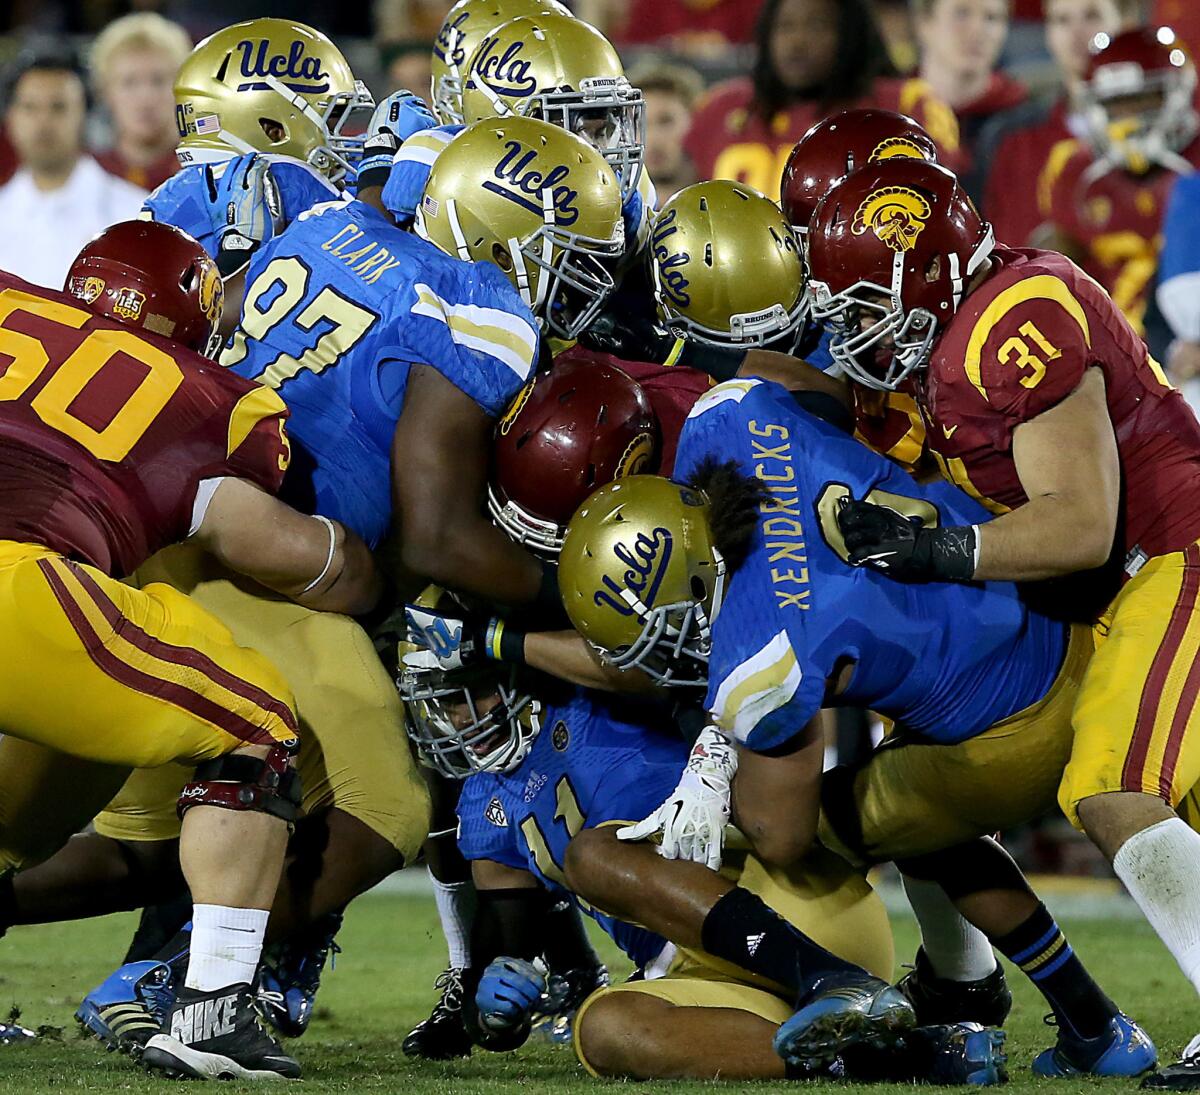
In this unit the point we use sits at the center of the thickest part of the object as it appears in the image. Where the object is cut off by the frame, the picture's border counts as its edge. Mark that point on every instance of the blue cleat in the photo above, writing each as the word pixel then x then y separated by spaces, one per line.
pixel 842 1012
pixel 960 1053
pixel 129 1007
pixel 291 974
pixel 1123 1050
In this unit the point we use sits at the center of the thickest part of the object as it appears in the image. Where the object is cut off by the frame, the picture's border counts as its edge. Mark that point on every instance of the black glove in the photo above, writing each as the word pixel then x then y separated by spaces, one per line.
pixel 630 335
pixel 901 547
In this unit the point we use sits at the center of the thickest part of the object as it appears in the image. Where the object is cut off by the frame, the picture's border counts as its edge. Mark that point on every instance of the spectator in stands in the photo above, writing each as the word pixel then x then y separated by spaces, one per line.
pixel 812 58
pixel 1016 148
pixel 960 43
pixel 133 65
pixel 407 65
pixel 671 91
pixel 693 27
pixel 60 197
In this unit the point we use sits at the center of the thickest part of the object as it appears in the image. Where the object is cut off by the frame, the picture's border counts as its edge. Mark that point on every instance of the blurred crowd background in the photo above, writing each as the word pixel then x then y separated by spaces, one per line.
pixel 730 85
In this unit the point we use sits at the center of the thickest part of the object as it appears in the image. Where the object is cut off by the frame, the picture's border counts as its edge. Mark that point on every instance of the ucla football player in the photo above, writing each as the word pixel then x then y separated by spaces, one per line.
pixel 791 628
pixel 539 771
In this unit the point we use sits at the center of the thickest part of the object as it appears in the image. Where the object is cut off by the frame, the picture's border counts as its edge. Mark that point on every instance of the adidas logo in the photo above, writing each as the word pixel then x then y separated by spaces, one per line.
pixel 495 814
pixel 753 941
pixel 204 1019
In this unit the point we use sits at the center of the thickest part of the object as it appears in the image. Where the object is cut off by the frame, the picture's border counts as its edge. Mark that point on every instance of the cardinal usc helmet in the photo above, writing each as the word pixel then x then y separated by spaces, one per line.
pixel 1138 96
pixel 726 268
pixel 537 201
pixel 469 720
pixel 274 86
pixel 564 71
pixel 891 250
pixel 642 580
pixel 570 430
pixel 150 275
pixel 460 33
pixel 840 144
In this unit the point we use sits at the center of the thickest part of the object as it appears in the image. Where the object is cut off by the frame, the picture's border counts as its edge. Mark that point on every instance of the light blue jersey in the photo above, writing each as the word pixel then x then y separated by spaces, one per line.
pixel 182 200
pixel 945 660
pixel 337 308
pixel 414 161
pixel 598 758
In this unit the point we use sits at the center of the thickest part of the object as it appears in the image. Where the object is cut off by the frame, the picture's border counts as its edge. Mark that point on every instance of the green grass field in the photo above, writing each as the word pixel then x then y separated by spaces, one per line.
pixel 382 985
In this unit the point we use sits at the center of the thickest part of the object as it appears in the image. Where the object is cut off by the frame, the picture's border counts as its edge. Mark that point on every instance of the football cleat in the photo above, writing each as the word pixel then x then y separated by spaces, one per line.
pixel 564 993
pixel 217 1036
pixel 843 1011
pixel 958 1053
pixel 938 1000
pixel 13 1034
pixel 129 1007
pixel 291 974
pixel 1183 1075
pixel 442 1036
pixel 1123 1050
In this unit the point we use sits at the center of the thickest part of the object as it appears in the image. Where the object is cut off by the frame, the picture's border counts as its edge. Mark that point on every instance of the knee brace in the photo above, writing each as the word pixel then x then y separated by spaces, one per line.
pixel 237 782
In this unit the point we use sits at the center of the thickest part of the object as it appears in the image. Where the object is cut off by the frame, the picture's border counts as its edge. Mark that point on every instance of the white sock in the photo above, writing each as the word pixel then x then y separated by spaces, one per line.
pixel 226 945
pixel 956 950
pixel 1160 867
pixel 456 909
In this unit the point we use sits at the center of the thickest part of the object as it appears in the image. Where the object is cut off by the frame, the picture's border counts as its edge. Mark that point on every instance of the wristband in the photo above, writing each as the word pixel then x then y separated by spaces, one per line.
pixel 502 643
pixel 328 558
pixel 952 552
pixel 720 362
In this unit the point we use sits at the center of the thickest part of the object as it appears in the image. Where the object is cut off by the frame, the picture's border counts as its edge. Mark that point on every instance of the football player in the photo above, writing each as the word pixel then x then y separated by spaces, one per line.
pixel 794 628
pixel 1105 197
pixel 538 774
pixel 108 466
pixel 1040 399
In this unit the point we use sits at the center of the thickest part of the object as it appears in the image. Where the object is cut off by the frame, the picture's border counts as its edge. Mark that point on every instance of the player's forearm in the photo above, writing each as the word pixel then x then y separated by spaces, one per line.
pixel 795 374
pixel 566 655
pixel 470 554
pixel 1049 536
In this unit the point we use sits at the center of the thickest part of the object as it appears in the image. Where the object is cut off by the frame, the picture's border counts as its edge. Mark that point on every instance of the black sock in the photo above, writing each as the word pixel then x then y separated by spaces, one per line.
pixel 158 927
pixel 743 930
pixel 567 946
pixel 1041 950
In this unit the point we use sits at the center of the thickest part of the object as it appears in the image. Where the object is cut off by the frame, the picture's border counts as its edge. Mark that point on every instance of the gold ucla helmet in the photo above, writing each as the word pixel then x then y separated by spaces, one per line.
pixel 564 71
pixel 269 85
pixel 461 32
pixel 538 202
pixel 642 580
pixel 469 720
pixel 726 267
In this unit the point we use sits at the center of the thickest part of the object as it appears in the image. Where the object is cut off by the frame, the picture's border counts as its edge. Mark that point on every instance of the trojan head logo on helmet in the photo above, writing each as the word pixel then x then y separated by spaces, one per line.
pixel 642 580
pixel 570 430
pixel 842 143
pixel 269 85
pixel 726 268
pixel 1138 96
pixel 538 202
pixel 461 32
pixel 153 276
pixel 564 71
pixel 891 253
pixel 467 721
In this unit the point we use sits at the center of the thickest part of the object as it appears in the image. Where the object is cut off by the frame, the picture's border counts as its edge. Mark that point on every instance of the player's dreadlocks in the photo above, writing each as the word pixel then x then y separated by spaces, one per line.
pixel 734 500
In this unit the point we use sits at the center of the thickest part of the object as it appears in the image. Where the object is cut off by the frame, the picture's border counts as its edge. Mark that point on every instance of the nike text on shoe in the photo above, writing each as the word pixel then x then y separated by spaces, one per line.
pixel 218 1036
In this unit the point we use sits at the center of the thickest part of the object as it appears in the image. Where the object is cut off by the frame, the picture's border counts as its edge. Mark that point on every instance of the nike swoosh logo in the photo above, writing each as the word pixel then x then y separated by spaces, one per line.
pixel 949 431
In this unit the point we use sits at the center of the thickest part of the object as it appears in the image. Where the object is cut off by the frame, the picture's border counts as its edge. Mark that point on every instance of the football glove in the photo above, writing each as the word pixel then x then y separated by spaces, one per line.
pixel 395 119
pixel 628 334
pixel 692 821
pixel 456 642
pixel 245 210
pixel 509 993
pixel 901 547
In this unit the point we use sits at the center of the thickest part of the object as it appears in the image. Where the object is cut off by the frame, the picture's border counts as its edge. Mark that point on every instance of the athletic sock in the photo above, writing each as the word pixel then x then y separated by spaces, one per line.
pixel 456 902
pixel 226 945
pixel 1160 867
pixel 957 951
pixel 744 930
pixel 1039 947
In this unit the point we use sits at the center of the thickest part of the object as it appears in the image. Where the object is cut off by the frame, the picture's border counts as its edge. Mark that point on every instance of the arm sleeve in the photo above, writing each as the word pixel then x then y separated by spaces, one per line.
pixel 410 170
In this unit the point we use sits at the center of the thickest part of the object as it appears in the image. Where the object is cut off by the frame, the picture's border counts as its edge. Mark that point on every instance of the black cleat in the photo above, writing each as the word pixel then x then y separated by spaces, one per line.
pixel 442 1036
pixel 1183 1075
pixel 217 1036
pixel 937 1000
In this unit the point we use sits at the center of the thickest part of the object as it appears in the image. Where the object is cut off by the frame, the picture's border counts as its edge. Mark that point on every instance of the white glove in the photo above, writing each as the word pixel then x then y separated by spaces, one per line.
pixel 692 821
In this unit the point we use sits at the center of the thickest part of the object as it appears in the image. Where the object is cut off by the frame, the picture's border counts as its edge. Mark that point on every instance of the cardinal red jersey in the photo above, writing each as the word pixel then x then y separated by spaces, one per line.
pixel 671 391
pixel 730 139
pixel 1019 345
pixel 890 423
pixel 1116 217
pixel 106 432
